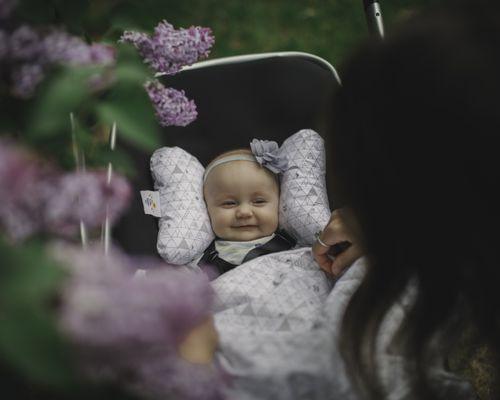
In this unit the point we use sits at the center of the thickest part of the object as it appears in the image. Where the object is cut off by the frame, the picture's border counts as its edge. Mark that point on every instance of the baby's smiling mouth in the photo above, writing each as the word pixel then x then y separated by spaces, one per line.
pixel 245 226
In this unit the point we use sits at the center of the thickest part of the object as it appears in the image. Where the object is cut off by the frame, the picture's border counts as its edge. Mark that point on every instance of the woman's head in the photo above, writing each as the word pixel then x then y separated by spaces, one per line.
pixel 414 156
pixel 416 122
pixel 242 197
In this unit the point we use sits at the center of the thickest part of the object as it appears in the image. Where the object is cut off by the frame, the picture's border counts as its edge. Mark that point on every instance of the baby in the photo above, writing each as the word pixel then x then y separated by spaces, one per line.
pixel 242 199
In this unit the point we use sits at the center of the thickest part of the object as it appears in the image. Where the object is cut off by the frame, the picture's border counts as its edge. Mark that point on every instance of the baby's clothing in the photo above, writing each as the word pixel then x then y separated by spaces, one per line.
pixel 225 255
pixel 235 252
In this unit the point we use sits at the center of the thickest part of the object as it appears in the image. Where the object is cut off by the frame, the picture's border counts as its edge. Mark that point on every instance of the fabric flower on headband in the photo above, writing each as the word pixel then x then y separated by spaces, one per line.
pixel 269 155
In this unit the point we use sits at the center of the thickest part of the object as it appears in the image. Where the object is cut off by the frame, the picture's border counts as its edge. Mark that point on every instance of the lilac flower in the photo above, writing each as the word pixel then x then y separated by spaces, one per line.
pixel 25 78
pixel 25 44
pixel 139 40
pixel 25 187
pixel 6 7
pixel 33 53
pixel 35 197
pixel 269 155
pixel 171 105
pixel 61 48
pixel 102 54
pixel 85 197
pixel 168 49
pixel 122 325
pixel 175 48
pixel 157 308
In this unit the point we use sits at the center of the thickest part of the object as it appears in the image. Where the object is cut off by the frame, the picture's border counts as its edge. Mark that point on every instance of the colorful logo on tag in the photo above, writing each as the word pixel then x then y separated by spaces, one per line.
pixel 151 202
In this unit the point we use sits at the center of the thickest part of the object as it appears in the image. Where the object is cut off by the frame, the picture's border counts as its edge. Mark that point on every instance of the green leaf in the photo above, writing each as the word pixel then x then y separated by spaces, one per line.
pixel 29 338
pixel 128 104
pixel 30 342
pixel 132 73
pixel 131 124
pixel 27 275
pixel 130 68
pixel 130 108
pixel 121 161
pixel 60 96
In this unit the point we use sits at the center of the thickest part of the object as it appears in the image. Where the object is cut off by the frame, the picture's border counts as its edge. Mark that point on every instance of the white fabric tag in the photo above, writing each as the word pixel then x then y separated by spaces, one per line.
pixel 151 202
pixel 139 273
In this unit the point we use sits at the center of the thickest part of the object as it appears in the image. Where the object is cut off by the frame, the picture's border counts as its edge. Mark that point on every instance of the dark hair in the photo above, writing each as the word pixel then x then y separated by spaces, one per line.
pixel 414 154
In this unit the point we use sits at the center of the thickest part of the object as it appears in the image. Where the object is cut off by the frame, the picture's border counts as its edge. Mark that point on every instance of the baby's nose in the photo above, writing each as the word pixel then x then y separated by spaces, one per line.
pixel 243 211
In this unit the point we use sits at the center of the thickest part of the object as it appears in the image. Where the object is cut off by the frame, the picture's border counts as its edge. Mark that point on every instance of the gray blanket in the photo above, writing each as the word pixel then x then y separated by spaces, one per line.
pixel 278 319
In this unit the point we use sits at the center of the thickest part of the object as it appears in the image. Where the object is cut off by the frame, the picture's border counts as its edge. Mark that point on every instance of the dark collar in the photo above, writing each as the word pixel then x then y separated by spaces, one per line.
pixel 280 242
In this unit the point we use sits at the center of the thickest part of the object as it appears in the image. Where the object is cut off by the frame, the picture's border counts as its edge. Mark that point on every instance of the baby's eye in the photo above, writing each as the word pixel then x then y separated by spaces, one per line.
pixel 228 203
pixel 260 201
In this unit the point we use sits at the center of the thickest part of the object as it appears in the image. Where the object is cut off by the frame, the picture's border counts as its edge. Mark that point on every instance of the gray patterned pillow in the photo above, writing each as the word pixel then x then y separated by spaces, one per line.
pixel 184 226
pixel 304 208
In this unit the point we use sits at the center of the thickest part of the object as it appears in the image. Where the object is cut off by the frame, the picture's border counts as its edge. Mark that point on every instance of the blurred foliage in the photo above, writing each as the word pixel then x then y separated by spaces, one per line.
pixel 28 337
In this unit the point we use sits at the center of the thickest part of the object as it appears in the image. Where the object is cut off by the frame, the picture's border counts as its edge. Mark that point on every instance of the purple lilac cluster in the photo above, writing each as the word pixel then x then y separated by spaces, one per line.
pixel 25 186
pixel 169 49
pixel 30 53
pixel 126 325
pixel 25 79
pixel 166 52
pixel 60 47
pixel 37 197
pixel 86 197
pixel 171 105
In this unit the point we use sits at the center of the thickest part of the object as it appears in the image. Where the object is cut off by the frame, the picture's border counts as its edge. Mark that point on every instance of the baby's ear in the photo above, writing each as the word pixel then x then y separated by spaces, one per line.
pixel 184 226
pixel 304 208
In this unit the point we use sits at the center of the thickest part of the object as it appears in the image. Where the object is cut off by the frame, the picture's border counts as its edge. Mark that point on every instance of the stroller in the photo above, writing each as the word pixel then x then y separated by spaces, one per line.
pixel 267 96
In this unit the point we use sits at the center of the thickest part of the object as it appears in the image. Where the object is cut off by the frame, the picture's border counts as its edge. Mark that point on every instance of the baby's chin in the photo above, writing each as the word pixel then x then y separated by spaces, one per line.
pixel 242 234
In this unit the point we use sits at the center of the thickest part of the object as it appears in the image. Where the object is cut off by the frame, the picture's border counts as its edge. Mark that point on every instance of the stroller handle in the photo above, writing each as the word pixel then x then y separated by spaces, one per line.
pixel 374 20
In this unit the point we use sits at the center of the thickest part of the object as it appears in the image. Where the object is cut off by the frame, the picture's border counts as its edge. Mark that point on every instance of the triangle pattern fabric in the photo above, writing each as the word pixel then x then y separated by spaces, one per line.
pixel 304 208
pixel 178 176
pixel 184 227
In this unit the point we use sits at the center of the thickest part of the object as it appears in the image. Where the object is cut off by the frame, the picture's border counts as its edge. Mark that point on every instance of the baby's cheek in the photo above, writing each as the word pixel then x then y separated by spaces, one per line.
pixel 275 215
pixel 220 220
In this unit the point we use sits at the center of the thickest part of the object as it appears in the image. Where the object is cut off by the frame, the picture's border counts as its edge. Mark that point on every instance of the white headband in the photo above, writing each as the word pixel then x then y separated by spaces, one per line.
pixel 229 158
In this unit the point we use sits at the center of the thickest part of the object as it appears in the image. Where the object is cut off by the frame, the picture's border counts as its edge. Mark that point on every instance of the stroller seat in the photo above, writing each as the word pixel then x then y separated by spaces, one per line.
pixel 266 96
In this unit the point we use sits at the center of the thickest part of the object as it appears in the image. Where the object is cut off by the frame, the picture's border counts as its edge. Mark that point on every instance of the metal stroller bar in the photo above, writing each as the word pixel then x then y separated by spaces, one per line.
pixel 106 227
pixel 374 19
pixel 79 157
pixel 260 56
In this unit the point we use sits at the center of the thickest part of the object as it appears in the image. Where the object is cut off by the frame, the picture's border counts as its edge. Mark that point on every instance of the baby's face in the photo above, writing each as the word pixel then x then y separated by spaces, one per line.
pixel 242 200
